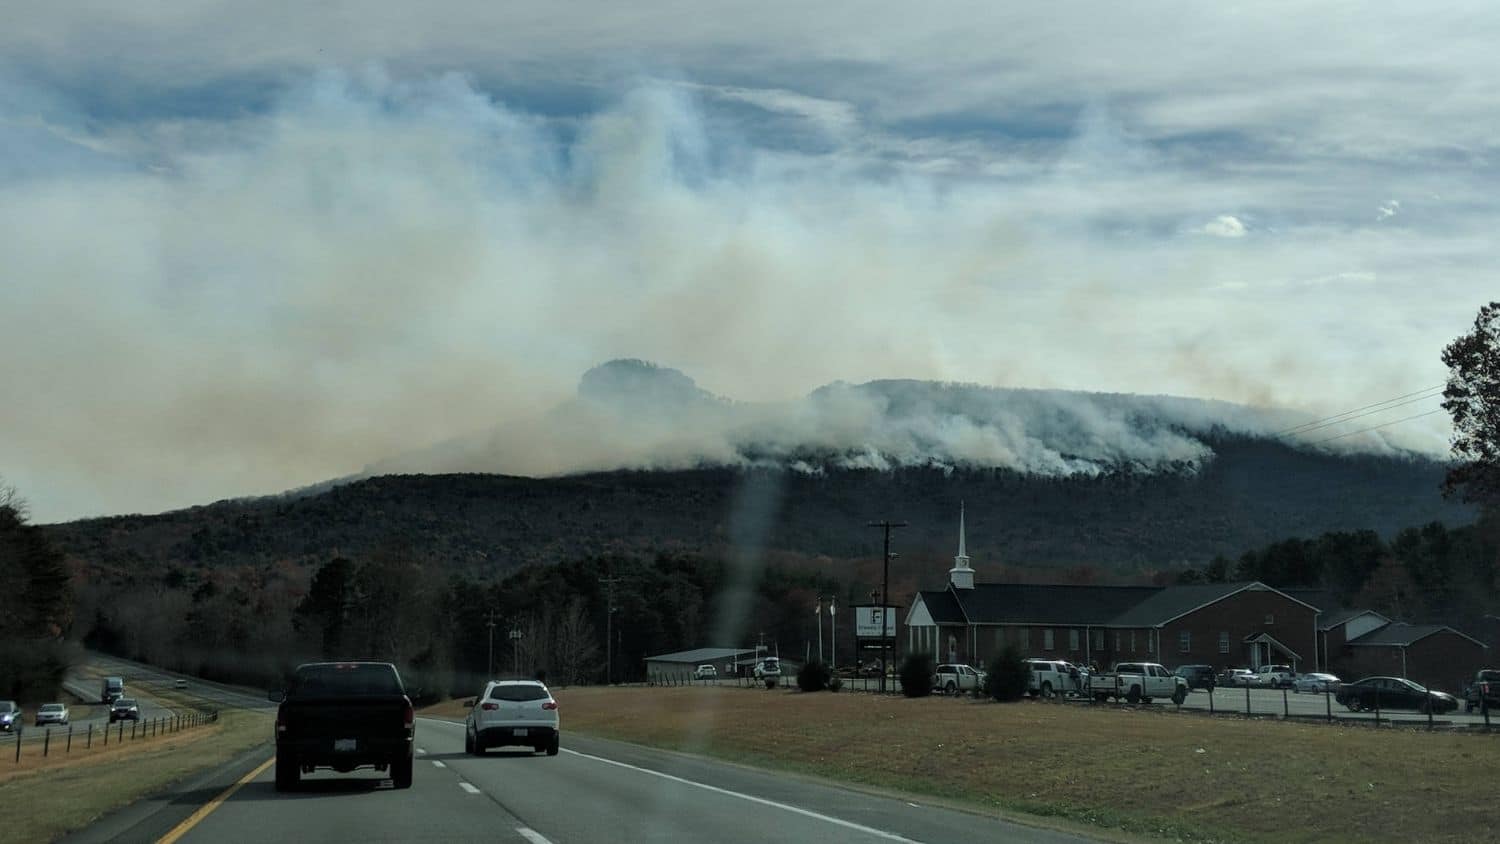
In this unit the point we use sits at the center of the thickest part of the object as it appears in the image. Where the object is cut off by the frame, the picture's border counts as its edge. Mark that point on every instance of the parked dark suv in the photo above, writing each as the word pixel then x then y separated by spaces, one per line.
pixel 1197 676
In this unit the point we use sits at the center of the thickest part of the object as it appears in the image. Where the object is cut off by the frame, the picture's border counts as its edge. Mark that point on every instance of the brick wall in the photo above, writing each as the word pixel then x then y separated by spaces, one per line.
pixel 1239 616
pixel 1445 661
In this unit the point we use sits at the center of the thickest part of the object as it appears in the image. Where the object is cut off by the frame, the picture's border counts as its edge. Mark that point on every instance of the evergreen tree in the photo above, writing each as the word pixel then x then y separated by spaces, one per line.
pixel 1472 398
pixel 35 607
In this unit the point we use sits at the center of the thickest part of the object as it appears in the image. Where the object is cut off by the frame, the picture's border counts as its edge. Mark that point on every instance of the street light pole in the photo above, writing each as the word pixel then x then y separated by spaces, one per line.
pixel 515 640
pixel 885 598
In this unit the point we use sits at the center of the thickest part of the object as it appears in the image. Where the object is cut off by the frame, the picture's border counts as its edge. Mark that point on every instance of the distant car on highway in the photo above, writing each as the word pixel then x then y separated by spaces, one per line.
pixel 179 683
pixel 706 672
pixel 1393 693
pixel 513 712
pixel 124 709
pixel 52 713
pixel 1315 682
pixel 11 717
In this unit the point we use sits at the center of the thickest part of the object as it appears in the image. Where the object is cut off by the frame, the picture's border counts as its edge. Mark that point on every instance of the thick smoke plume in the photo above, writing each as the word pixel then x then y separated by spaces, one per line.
pixel 238 304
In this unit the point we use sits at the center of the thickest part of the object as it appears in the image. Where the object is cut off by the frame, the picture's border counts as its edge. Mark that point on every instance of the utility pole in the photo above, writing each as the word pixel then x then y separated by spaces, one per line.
pixel 818 616
pixel 515 640
pixel 833 632
pixel 885 598
pixel 609 630
pixel 490 623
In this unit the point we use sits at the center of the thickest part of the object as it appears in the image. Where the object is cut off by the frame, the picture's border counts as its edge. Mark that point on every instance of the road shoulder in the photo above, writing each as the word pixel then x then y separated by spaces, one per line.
pixel 149 818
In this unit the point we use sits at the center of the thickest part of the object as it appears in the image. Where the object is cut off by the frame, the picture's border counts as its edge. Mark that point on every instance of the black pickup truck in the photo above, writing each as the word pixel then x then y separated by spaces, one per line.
pixel 1484 692
pixel 343 715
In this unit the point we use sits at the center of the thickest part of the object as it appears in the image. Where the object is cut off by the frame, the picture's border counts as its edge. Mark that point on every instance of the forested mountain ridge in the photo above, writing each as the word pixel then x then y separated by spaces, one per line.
pixel 1254 491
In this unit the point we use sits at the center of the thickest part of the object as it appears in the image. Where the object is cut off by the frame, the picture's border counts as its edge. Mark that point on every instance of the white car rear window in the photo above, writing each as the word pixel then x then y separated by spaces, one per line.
pixel 519 692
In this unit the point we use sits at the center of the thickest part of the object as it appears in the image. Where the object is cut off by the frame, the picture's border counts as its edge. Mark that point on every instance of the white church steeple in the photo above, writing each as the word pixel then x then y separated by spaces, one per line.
pixel 961 576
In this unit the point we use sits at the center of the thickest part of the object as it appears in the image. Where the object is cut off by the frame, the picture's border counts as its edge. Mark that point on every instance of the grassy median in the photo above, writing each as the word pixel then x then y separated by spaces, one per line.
pixel 1156 773
pixel 48 797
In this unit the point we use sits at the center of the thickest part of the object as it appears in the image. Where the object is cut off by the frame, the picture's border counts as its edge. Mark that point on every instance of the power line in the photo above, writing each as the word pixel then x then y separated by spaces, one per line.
pixel 1339 417
pixel 1309 430
pixel 1376 427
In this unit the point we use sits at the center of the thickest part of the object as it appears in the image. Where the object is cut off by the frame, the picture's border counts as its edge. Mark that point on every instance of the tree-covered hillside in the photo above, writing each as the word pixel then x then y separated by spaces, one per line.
pixel 1253 492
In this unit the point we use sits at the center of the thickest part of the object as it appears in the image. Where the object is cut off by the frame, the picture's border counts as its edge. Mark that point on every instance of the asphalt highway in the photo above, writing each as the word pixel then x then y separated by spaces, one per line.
pixel 594 790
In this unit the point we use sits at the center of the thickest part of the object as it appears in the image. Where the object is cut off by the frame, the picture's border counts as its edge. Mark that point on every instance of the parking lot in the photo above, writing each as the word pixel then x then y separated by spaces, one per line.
pixel 1287 703
pixel 1255 702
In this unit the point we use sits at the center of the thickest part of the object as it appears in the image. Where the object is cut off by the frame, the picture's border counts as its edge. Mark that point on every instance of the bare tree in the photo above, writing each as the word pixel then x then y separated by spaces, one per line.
pixel 577 645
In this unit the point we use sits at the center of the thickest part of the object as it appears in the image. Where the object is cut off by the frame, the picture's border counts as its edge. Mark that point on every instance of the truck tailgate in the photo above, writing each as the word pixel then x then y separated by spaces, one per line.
pixel 352 716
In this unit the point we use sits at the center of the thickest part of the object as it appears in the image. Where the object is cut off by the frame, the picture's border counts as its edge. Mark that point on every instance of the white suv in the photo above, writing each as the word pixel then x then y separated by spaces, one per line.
pixel 512 712
pixel 768 670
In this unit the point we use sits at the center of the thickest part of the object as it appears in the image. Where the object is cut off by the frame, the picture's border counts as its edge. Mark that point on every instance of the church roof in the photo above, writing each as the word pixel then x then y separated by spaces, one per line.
pixel 1066 605
pixel 1024 603
pixel 943 607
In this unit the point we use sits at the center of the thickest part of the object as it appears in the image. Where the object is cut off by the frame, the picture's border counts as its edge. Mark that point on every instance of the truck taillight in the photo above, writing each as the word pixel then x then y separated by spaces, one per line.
pixel 488 706
pixel 410 716
pixel 551 704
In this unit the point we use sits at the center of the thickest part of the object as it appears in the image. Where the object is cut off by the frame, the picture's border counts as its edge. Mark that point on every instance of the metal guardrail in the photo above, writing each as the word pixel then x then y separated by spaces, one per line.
pixel 87 740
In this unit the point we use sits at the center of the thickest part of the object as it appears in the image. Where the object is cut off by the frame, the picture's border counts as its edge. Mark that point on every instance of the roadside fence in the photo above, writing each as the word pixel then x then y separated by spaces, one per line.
pixel 1377 709
pixel 785 681
pixel 78 740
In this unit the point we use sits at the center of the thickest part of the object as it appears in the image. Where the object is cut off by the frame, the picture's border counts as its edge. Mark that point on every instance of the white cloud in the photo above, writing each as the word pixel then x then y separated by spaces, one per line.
pixel 1224 225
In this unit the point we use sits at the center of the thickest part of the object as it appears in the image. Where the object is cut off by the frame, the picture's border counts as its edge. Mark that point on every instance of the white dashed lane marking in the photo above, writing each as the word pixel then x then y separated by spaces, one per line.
pixel 532 835
pixel 437 764
pixel 469 788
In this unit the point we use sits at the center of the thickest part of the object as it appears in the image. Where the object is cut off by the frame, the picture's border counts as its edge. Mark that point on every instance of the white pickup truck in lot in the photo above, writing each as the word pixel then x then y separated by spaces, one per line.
pixel 952 679
pixel 1050 677
pixel 1138 682
pixel 1273 677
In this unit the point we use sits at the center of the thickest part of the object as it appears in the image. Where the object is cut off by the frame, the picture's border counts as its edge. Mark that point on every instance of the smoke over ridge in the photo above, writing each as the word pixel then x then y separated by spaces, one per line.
pixel 637 415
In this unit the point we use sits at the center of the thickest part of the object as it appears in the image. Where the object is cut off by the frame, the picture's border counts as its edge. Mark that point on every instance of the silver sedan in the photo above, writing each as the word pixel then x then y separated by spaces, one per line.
pixel 1315 682
pixel 52 713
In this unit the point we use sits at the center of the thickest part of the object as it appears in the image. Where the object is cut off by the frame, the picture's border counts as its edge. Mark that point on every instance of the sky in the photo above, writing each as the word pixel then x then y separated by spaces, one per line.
pixel 248 248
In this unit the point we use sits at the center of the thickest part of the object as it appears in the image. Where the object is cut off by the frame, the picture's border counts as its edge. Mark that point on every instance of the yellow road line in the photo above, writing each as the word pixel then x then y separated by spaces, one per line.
pixel 203 811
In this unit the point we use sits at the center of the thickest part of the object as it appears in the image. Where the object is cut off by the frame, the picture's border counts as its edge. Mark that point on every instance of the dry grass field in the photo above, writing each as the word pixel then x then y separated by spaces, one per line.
pixel 1156 773
pixel 46 798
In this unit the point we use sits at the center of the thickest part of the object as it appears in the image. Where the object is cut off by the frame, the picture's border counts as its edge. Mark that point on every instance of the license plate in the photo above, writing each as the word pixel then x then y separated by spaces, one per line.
pixel 519 731
pixel 343 745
